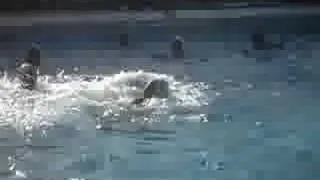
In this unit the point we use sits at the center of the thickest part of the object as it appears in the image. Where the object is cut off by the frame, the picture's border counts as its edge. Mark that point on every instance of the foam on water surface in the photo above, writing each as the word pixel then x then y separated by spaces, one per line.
pixel 104 98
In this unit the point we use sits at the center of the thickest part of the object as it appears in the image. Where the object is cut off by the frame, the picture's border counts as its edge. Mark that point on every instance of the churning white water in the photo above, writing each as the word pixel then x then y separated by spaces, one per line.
pixel 104 97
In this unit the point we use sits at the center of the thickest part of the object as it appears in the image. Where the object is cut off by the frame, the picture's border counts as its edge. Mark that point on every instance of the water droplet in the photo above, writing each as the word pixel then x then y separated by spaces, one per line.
pixel 219 166
pixel 28 128
pixel 43 133
pixel 250 86
pixel 11 163
pixel 12 167
pixel 20 174
pixel 98 126
pixel 132 120
pixel 204 163
pixel 218 94
pixel 75 69
pixel 203 118
pixel 259 124
pixel 227 117
pixel 75 109
pixel 276 94
pixel 203 154
pixel 203 159
pixel 172 117
pixel 116 115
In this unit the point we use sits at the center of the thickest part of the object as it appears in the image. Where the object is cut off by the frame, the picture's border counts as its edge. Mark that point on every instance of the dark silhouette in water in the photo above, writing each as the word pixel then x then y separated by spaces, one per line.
pixel 177 49
pixel 33 55
pixel 260 43
pixel 124 40
pixel 158 88
pixel 27 70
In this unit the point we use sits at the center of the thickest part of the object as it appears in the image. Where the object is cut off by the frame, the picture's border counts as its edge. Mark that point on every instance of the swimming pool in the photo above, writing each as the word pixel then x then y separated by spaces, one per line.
pixel 228 118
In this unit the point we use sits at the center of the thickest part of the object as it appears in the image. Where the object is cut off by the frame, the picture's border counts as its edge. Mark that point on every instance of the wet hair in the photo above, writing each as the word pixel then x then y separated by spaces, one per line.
pixel 157 88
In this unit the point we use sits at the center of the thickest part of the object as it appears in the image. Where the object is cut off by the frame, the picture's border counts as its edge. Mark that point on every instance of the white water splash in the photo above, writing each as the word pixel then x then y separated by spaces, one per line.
pixel 106 97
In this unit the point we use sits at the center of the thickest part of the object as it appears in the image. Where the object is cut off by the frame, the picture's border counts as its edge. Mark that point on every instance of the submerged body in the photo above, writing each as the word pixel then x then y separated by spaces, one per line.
pixel 27 70
pixel 33 56
pixel 259 42
pixel 177 49
pixel 157 88
pixel 262 45
pixel 27 74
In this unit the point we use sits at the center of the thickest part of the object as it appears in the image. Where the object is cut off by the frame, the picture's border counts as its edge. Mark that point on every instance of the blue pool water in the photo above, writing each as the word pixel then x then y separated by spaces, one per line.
pixel 228 118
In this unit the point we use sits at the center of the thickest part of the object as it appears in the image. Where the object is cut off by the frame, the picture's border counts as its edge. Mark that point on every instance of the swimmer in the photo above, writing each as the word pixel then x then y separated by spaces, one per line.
pixel 259 42
pixel 27 75
pixel 27 69
pixel 33 56
pixel 158 88
pixel 2 71
pixel 177 49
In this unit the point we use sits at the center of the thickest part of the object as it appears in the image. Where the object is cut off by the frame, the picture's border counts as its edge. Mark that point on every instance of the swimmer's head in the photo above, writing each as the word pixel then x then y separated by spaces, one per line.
pixel 158 88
